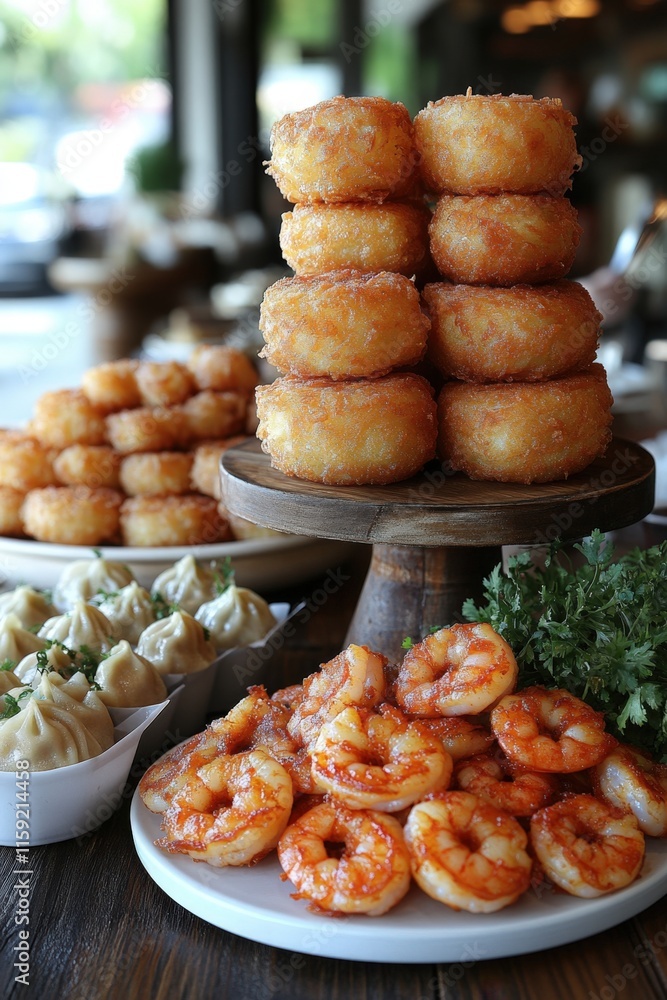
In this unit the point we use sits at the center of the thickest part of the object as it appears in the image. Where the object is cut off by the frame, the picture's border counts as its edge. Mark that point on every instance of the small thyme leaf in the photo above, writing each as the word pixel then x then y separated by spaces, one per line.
pixel 8 664
pixel 224 576
pixel 407 643
pixel 11 708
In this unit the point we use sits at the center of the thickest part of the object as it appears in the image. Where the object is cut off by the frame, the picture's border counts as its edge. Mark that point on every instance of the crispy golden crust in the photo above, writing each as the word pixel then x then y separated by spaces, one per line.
pixel 344 149
pixel 214 414
pixel 88 465
pixel 164 383
pixel 25 464
pixel 185 520
pixel 222 368
pixel 390 237
pixel 345 324
pixel 364 432
pixel 504 239
pixel 67 417
pixel 147 429
pixel 11 519
pixel 480 144
pixel 525 432
pixel 112 386
pixel 156 474
pixel 525 333
pixel 205 474
pixel 72 515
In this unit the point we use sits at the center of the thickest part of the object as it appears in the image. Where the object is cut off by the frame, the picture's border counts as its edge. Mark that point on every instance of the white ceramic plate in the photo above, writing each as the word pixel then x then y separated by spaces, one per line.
pixel 254 903
pixel 260 563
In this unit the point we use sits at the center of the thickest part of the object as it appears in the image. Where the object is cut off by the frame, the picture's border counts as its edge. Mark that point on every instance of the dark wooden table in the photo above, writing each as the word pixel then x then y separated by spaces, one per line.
pixel 100 927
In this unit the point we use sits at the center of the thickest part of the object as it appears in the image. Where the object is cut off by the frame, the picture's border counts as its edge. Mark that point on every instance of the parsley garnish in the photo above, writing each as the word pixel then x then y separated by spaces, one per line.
pixel 224 576
pixel 8 664
pixel 11 708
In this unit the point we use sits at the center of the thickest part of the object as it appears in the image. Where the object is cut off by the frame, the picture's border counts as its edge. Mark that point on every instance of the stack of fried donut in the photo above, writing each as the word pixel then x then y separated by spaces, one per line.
pixel 351 316
pixel 527 404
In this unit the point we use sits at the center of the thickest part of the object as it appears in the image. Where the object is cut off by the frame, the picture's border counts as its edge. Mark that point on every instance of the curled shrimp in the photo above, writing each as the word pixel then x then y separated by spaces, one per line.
pixel 586 846
pixel 629 779
pixel 550 731
pixel 233 813
pixel 385 762
pixel 353 677
pixel 272 736
pixel 459 736
pixel 371 873
pixel 467 854
pixel 519 793
pixel 461 670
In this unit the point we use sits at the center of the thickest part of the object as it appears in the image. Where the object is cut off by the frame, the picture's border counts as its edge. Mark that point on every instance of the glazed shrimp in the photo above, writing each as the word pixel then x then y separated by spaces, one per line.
pixel 460 737
pixel 630 779
pixel 550 731
pixel 467 854
pixel 233 814
pixel 272 736
pixel 587 847
pixel 370 875
pixel 384 762
pixel 490 777
pixel 353 677
pixel 461 670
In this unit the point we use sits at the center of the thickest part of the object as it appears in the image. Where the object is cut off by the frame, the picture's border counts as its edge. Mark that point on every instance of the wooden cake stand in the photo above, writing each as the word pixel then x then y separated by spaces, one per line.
pixel 437 535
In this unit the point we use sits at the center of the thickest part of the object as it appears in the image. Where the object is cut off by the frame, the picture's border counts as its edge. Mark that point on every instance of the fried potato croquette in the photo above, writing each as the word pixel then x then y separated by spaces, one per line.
pixel 156 473
pixel 341 433
pixel 72 515
pixel 112 386
pixel 67 417
pixel 390 237
pixel 11 519
pixel 205 474
pixel 344 149
pixel 183 520
pixel 491 144
pixel 211 414
pixel 25 464
pixel 91 465
pixel 222 368
pixel 526 333
pixel 526 432
pixel 165 383
pixel 147 429
pixel 504 239
pixel 345 324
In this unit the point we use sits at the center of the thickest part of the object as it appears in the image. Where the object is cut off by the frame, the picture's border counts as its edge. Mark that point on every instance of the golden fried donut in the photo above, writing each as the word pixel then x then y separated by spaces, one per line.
pixel 344 149
pixel 185 520
pixel 112 386
pixel 369 431
pixel 211 414
pixel 525 432
pixel 25 464
pixel 156 473
pixel 481 144
pixel 205 474
pixel 525 333
pixel 504 239
pixel 222 368
pixel 88 465
pixel 11 519
pixel 72 515
pixel 345 324
pixel 67 417
pixel 164 383
pixel 147 429
pixel 390 237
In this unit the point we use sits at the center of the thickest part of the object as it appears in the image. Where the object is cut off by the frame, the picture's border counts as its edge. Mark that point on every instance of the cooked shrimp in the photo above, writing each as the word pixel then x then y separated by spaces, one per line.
pixel 370 875
pixel 587 847
pixel 112 386
pixel 550 731
pixel 164 383
pixel 461 670
pixel 233 814
pixel 459 736
pixel 467 854
pixel 272 736
pixel 630 779
pixel 384 761
pixel 520 793
pixel 353 677
pixel 290 696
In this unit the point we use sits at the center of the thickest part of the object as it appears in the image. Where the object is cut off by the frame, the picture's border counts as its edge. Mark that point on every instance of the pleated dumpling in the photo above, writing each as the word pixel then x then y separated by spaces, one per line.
pixel 128 680
pixel 8 680
pixel 84 625
pixel 52 657
pixel 15 641
pixel 130 610
pixel 236 617
pixel 186 583
pixel 30 606
pixel 76 696
pixel 47 735
pixel 177 645
pixel 84 578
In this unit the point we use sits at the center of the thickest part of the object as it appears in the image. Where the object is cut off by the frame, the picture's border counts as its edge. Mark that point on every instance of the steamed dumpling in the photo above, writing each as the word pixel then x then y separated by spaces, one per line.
pixel 128 680
pixel 84 625
pixel 47 735
pixel 186 583
pixel 8 680
pixel 76 696
pixel 130 610
pixel 30 606
pixel 53 657
pixel 15 641
pixel 84 578
pixel 176 645
pixel 236 617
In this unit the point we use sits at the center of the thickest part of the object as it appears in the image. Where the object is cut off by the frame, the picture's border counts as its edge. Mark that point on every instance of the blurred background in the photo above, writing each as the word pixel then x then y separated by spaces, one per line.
pixel 135 214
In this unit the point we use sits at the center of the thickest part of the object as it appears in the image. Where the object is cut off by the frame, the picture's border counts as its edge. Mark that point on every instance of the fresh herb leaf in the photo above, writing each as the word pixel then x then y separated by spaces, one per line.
pixel 224 576
pixel 8 664
pixel 11 708
pixel 407 643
